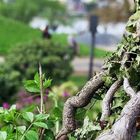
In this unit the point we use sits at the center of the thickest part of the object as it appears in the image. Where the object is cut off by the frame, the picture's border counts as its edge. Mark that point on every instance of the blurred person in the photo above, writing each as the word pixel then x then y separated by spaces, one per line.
pixel 46 33
pixel 73 44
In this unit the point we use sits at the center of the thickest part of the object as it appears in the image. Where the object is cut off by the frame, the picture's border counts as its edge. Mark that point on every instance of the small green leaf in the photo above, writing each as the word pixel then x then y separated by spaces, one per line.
pixel 1 110
pixel 28 116
pixel 49 135
pixel 108 80
pixel 3 135
pixel 40 124
pixel 21 129
pixel 50 123
pixel 31 135
pixel 13 107
pixel 80 114
pixel 94 128
pixel 57 112
pixel 41 117
pixel 37 79
pixel 47 83
pixel 97 97
pixel 138 59
pixel 31 86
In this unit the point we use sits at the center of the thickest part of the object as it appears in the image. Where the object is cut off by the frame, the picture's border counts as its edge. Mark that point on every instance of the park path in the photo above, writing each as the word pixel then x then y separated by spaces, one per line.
pixel 81 65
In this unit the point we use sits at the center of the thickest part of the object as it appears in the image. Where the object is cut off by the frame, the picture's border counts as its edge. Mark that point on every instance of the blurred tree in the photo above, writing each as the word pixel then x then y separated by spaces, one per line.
pixel 25 10
pixel 114 10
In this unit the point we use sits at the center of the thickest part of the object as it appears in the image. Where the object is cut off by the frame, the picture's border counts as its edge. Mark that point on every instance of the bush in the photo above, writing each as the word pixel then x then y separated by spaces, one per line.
pixel 22 63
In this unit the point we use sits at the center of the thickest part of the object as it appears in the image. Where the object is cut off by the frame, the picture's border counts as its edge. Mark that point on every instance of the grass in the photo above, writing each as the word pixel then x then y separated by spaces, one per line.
pixel 84 49
pixel 79 80
pixel 13 32
pixel 98 53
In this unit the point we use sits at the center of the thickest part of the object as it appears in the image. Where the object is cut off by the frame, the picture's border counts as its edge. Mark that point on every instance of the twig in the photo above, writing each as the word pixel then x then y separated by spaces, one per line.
pixel 125 127
pixel 41 89
pixel 108 99
pixel 127 88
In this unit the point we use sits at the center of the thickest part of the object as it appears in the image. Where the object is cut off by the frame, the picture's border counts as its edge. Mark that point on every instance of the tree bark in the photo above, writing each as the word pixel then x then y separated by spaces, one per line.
pixel 124 128
pixel 80 100
pixel 106 105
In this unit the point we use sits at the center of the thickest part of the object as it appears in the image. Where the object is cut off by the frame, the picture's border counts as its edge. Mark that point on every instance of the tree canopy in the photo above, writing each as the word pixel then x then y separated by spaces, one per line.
pixel 25 10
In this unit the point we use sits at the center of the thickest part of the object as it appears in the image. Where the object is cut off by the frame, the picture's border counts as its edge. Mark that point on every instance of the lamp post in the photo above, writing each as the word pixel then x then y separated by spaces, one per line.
pixel 93 23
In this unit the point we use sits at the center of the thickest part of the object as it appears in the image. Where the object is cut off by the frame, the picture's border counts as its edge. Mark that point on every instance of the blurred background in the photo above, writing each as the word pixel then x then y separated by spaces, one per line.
pixel 65 36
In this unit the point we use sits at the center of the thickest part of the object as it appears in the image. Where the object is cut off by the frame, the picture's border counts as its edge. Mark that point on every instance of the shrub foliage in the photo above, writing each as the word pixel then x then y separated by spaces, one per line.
pixel 22 63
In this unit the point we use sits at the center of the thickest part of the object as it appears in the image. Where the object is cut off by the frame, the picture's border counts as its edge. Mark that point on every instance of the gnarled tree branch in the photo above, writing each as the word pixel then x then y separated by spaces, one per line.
pixel 80 100
pixel 124 128
pixel 108 99
pixel 127 88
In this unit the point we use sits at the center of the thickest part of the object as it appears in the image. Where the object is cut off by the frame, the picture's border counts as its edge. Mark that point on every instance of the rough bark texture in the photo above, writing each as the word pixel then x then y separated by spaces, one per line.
pixel 80 100
pixel 124 128
pixel 106 105
pixel 128 89
pixel 120 64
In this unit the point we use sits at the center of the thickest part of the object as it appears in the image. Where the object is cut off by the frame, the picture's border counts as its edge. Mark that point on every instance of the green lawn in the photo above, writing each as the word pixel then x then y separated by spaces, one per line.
pixel 84 50
pixel 13 32
pixel 79 80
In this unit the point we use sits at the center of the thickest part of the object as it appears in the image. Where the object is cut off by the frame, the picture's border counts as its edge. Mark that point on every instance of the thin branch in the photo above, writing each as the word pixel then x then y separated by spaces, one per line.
pixel 41 89
pixel 106 108
pixel 125 127
pixel 127 88
pixel 80 100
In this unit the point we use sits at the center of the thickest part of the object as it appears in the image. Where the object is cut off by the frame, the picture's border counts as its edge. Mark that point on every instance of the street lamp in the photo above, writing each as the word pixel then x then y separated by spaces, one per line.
pixel 93 23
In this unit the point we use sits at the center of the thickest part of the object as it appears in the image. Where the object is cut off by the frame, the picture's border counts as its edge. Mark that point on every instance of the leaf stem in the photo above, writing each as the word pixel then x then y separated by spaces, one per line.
pixel 41 89
pixel 26 131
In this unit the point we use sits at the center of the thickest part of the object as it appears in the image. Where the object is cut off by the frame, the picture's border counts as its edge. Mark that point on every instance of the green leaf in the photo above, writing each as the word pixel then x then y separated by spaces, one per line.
pixel 138 59
pixel 30 108
pixel 1 110
pixel 41 117
pixel 21 129
pixel 13 107
pixel 57 112
pixel 47 83
pixel 28 116
pixel 37 79
pixel 48 135
pixel 108 80
pixel 97 97
pixel 50 123
pixel 80 114
pixel 31 86
pixel 3 135
pixel 41 124
pixel 94 128
pixel 31 135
